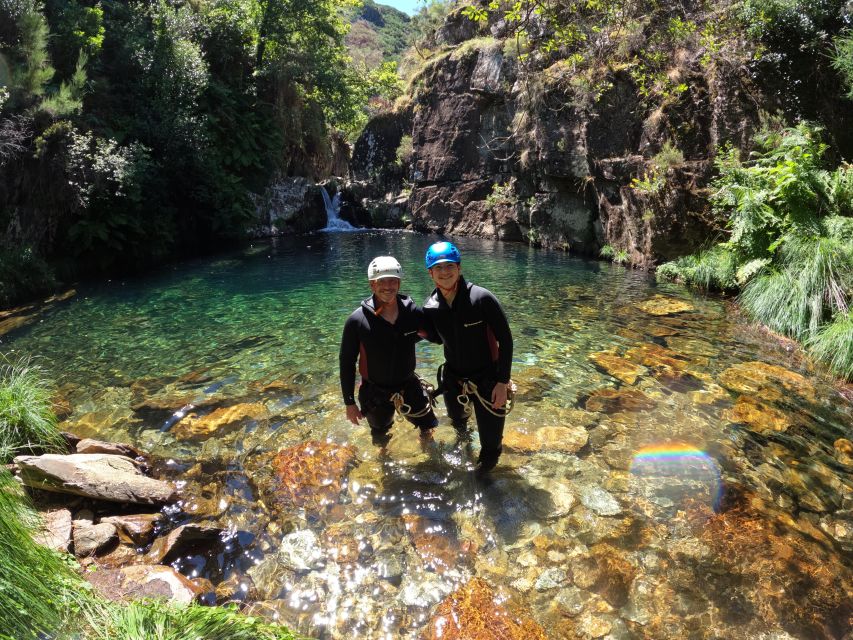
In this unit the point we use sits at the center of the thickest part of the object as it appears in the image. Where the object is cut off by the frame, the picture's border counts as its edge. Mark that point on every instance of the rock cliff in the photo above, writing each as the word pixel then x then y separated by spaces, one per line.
pixel 537 148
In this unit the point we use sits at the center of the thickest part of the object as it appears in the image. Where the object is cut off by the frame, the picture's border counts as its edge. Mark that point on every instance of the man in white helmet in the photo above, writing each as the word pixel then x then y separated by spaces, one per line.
pixel 380 336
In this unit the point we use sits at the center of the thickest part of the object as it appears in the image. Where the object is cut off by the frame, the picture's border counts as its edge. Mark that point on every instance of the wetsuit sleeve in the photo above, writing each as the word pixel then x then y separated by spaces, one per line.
pixel 426 329
pixel 347 358
pixel 496 318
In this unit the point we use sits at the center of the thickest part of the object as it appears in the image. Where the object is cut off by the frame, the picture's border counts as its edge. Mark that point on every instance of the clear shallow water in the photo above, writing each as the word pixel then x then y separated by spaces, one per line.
pixel 658 468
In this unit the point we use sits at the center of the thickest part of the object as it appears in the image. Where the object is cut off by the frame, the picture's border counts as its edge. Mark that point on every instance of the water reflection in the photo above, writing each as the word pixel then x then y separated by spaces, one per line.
pixel 668 471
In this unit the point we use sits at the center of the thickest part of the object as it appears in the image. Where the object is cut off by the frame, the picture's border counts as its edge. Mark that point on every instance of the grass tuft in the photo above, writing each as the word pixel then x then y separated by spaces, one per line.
pixel 27 421
pixel 154 619
pixel 834 345
pixel 39 591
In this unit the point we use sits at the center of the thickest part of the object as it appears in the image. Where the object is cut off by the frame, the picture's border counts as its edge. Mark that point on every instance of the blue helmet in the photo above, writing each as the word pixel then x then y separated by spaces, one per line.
pixel 442 252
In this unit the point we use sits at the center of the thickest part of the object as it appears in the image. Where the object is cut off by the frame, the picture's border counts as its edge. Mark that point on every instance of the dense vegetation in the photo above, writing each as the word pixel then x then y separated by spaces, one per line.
pixel 789 247
pixel 131 132
pixel 41 593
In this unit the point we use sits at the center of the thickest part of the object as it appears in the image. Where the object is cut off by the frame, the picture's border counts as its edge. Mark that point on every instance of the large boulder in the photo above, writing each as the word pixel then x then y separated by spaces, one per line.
pixel 143 581
pixel 289 205
pixel 94 475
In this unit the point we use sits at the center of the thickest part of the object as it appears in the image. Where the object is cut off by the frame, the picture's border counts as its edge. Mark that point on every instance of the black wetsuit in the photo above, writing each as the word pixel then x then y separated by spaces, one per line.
pixel 386 361
pixel 477 347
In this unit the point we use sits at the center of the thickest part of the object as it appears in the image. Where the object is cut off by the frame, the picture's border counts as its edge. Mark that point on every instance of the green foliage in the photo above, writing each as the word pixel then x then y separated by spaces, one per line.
pixel 23 274
pixel 30 78
pixel 809 283
pixel 164 621
pixel 833 344
pixel 791 242
pixel 714 269
pixel 404 151
pixel 502 194
pixel 669 156
pixel 38 590
pixel 68 99
pixel 607 252
pixel 783 188
pixel 842 61
pixel 27 422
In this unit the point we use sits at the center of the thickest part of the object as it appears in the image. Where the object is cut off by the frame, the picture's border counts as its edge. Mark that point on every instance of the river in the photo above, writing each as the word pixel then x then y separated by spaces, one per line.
pixel 670 471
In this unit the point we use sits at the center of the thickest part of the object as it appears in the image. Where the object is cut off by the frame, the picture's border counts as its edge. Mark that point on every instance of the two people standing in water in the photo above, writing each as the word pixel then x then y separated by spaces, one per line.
pixel 380 337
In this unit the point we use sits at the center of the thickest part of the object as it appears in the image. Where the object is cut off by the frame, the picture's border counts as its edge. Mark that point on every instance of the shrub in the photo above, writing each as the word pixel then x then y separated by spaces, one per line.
pixel 714 269
pixel 27 422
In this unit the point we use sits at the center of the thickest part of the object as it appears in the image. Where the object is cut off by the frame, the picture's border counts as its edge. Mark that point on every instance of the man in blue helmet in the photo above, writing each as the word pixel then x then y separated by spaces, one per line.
pixel 381 335
pixel 471 324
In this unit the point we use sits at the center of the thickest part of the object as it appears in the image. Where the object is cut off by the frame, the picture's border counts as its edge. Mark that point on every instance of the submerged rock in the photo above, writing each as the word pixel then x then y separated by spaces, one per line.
pixel 549 438
pixel 474 612
pixel 618 367
pixel 230 418
pixel 616 400
pixel 195 534
pixel 100 476
pixel 600 501
pixel 758 415
pixel 664 306
pixel 754 377
pixel 311 474
pixel 138 529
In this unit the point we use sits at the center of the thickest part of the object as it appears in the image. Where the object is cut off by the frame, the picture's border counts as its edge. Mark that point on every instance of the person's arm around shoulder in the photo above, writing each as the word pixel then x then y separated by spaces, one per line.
pixel 347 359
pixel 496 319
pixel 426 329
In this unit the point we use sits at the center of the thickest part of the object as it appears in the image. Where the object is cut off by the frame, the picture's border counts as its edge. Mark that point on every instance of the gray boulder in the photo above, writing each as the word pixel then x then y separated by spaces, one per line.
pixel 99 476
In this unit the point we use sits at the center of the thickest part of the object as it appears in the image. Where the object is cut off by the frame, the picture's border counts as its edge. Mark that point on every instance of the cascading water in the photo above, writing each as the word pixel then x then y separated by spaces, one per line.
pixel 333 209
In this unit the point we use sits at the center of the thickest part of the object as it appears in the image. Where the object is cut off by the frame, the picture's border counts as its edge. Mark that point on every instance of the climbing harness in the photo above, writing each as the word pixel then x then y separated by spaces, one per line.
pixel 405 410
pixel 469 388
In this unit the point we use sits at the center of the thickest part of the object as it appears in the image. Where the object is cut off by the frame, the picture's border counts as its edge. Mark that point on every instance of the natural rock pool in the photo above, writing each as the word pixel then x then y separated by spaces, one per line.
pixel 669 470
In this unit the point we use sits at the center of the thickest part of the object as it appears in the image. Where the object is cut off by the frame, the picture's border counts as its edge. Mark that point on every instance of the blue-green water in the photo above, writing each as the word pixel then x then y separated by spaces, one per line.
pixel 262 327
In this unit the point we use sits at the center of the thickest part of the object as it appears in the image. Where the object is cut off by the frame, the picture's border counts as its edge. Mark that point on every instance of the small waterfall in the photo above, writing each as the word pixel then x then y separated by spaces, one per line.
pixel 333 209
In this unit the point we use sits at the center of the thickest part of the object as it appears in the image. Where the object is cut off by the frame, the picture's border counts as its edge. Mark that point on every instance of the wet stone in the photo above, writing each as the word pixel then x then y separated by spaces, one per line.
pixel 662 361
pixel 616 400
pixel 186 535
pixel 594 626
pixel 423 589
pixel 600 501
pixel 664 306
pixel 138 529
pixel 571 601
pixel 754 377
pixel 310 474
pixel 218 421
pixel 550 438
pixel 618 367
pixel 551 578
pixel 90 538
pixel 760 416
pixel 300 551
pixel 474 612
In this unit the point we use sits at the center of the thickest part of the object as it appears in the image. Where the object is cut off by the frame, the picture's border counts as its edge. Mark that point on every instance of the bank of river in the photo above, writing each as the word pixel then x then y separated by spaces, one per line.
pixel 670 472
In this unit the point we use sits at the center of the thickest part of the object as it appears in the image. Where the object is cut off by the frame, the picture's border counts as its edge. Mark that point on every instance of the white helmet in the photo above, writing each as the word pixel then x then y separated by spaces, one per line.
pixel 384 267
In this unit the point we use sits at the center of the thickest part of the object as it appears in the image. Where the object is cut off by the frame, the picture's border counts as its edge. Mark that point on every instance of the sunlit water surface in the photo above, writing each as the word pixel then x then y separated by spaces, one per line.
pixel 656 470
